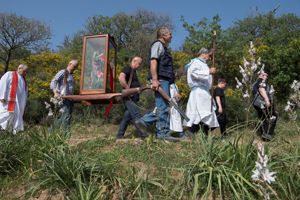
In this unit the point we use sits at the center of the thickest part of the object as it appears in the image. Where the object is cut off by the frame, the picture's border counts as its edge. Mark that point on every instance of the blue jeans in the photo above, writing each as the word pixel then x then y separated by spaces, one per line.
pixel 132 112
pixel 65 118
pixel 161 117
pixel 124 123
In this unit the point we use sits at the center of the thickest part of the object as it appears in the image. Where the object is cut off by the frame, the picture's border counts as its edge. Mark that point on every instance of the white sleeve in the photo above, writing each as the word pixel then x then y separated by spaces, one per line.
pixel 199 72
pixel 4 85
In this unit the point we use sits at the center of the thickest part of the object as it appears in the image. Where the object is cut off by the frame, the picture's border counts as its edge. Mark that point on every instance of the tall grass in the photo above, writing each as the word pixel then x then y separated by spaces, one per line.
pixel 206 168
pixel 61 167
pixel 13 154
pixel 288 177
pixel 222 170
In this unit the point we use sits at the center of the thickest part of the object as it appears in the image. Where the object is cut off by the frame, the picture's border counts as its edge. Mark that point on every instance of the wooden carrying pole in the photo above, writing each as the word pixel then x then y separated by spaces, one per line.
pixel 214 36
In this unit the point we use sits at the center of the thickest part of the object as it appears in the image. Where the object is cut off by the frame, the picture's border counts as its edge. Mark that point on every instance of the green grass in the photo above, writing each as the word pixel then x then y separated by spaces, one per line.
pixel 89 164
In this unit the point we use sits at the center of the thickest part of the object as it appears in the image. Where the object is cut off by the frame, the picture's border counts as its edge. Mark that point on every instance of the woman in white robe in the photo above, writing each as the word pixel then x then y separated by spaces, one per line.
pixel 199 78
pixel 13 121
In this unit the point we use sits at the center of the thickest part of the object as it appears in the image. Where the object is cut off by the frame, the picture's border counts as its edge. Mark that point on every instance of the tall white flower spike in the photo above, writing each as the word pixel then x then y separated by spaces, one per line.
pixel 261 172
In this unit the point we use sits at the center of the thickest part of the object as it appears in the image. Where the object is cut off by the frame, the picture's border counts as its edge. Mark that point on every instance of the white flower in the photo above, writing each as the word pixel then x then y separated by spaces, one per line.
pixel 295 85
pixel 259 61
pixel 246 94
pixel 269 176
pixel 289 106
pixel 241 69
pixel 261 171
pixel 62 110
pixel 47 105
pixel 50 113
pixel 252 49
pixel 254 67
pixel 57 101
pixel 256 175
pixel 246 63
pixel 251 45
pixel 239 84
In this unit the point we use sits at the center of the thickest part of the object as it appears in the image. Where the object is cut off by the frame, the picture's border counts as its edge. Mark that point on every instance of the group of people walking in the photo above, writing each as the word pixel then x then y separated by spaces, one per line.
pixel 204 111
pixel 200 108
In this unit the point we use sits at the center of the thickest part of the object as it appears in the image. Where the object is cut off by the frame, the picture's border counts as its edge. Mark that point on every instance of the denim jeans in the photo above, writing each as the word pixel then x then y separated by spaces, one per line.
pixel 66 116
pixel 161 117
pixel 132 112
pixel 124 123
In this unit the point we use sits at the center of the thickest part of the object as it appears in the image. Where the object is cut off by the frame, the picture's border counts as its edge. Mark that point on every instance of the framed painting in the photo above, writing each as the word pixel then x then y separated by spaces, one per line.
pixel 98 65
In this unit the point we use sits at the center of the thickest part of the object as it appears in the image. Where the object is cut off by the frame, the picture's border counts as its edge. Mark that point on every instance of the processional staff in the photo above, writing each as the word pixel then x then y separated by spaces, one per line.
pixel 214 37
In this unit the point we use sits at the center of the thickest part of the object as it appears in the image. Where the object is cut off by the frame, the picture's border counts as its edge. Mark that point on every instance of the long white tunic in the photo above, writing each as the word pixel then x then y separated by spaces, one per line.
pixel 12 120
pixel 175 118
pixel 199 104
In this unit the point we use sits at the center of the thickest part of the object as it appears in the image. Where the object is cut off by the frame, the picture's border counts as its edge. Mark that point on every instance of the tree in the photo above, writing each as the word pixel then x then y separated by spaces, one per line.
pixel 17 32
pixel 133 33
pixel 200 33
pixel 276 38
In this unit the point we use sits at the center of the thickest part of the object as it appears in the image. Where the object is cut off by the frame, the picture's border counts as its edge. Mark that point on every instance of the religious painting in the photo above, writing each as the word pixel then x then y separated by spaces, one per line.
pixel 98 65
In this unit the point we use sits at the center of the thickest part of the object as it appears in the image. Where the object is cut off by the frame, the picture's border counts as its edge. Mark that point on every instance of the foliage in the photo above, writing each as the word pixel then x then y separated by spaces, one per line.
pixel 99 167
pixel 277 47
pixel 20 33
pixel 222 170
pixel 42 68
pixel 283 64
pixel 200 33
pixel 180 59
pixel 13 154
pixel 132 32
pixel 59 167
pixel 293 101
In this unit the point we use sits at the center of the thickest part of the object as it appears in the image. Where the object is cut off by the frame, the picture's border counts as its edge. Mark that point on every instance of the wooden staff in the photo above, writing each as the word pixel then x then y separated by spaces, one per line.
pixel 214 37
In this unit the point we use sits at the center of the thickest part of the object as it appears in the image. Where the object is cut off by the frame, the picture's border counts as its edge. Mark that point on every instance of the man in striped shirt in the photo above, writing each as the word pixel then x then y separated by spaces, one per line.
pixel 63 84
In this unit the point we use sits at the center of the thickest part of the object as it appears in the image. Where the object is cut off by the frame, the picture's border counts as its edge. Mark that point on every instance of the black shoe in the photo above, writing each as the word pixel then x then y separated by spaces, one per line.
pixel 142 128
pixel 267 137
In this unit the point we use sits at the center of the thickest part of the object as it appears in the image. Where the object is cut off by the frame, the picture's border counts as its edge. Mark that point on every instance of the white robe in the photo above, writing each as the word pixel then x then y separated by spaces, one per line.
pixel 199 104
pixel 175 118
pixel 12 120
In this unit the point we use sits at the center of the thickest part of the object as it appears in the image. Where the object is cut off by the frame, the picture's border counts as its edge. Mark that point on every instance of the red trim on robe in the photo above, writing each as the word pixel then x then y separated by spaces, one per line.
pixel 13 92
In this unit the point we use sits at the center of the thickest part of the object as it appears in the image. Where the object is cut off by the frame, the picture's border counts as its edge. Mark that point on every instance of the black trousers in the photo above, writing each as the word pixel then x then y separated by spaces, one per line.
pixel 267 120
pixel 222 119
pixel 196 127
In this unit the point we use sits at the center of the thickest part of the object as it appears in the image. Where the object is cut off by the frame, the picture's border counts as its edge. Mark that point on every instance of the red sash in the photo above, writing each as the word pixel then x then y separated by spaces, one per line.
pixel 13 92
